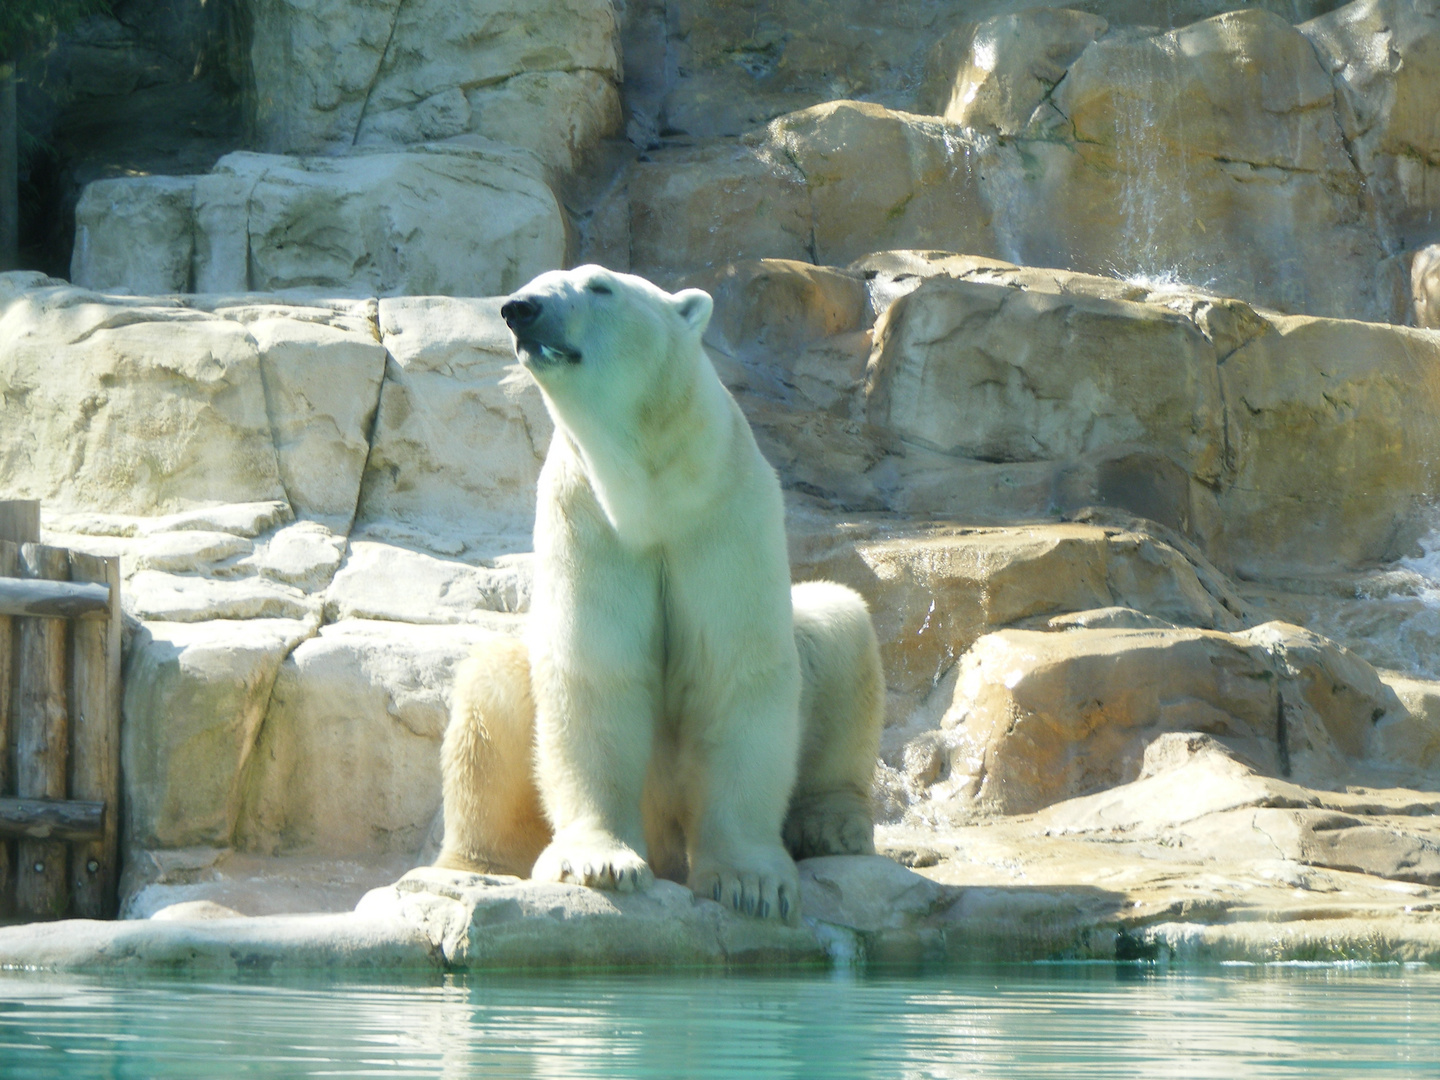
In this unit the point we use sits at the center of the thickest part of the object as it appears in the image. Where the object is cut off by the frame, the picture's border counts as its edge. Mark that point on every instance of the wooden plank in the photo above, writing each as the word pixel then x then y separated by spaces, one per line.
pixel 20 520
pixel 95 739
pixel 51 819
pixel 9 565
pixel 42 740
pixel 53 599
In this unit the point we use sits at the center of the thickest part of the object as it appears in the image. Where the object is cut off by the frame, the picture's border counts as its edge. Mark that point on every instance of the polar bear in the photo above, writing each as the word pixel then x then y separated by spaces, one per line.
pixel 675 708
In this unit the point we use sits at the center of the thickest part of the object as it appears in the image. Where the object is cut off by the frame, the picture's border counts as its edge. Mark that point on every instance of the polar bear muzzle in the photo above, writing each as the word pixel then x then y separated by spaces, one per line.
pixel 537 340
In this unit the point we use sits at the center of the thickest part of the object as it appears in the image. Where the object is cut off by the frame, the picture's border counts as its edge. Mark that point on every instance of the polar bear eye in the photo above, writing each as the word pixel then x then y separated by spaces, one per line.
pixel 599 287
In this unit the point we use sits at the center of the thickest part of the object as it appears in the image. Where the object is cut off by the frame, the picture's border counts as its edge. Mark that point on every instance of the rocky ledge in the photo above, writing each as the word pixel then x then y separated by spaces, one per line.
pixel 1200 859
pixel 1080 882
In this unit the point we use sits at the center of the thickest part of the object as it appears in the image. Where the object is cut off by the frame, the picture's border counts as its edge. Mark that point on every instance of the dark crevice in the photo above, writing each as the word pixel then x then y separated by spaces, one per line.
pixel 1282 735
pixel 379 70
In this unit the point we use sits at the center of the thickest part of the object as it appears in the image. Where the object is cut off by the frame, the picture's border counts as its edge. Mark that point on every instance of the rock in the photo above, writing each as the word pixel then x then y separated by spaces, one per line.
pixel 329 75
pixel 560 116
pixel 1351 488
pixel 770 309
pixel 1108 618
pixel 1413 738
pixel 705 68
pixel 934 592
pixel 867 893
pixel 322 385
pixel 1387 614
pixel 1038 718
pixel 827 184
pixel 304 555
pixel 1206 443
pixel 187 386
pixel 993 75
pixel 238 519
pixel 1184 777
pixel 153 252
pixel 224 947
pixel 180 598
pixel 882 179
pixel 381 581
pixel 364 704
pixel 1235 175
pixel 192 551
pixel 484 921
pixel 730 67
pixel 196 909
pixel 467 217
pixel 195 696
pixel 1385 64
pixel 1004 374
pixel 1193 793
pixel 464 219
pixel 167 885
pixel 148 407
pixel 461 431
pixel 703 207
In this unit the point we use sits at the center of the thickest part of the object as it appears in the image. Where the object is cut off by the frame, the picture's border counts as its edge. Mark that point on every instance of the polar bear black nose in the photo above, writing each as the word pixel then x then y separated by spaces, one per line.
pixel 519 313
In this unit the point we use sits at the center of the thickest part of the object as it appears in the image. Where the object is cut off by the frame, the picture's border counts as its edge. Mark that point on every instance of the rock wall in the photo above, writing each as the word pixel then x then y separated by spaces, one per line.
pixel 1241 154
pixel 1102 514
pixel 1278 162
pixel 321 505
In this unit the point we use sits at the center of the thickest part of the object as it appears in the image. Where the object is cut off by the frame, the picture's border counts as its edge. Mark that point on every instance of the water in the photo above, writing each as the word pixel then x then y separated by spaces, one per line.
pixel 1072 1021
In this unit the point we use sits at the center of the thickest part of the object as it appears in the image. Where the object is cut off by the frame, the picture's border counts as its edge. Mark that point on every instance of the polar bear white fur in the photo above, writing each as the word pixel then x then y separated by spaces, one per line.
pixel 675 708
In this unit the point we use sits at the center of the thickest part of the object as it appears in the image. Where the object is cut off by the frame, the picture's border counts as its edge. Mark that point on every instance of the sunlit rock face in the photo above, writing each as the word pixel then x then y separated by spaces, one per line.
pixel 1286 165
pixel 1385 59
pixel 1038 718
pixel 1239 153
pixel 151 406
pixel 468 217
pixel 329 76
pixel 1212 153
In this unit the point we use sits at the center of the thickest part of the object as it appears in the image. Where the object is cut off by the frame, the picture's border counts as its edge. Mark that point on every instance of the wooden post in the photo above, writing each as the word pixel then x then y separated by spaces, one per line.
pixel 42 739
pixel 9 565
pixel 95 739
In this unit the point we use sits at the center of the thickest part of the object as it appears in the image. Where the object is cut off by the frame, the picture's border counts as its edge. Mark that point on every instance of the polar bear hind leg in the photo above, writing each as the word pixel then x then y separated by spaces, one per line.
pixel 493 818
pixel 842 702
pixel 494 822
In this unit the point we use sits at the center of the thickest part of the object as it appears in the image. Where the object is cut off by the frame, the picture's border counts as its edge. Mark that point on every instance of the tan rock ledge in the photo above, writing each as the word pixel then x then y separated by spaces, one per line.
pixel 857 910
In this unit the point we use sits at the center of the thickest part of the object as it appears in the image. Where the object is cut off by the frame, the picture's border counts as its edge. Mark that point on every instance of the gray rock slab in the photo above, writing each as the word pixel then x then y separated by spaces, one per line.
pixel 155 596
pixel 482 921
pixel 382 581
pixel 254 946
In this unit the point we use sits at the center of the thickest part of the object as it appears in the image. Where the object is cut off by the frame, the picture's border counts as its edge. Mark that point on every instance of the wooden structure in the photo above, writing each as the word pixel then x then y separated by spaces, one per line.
pixel 59 724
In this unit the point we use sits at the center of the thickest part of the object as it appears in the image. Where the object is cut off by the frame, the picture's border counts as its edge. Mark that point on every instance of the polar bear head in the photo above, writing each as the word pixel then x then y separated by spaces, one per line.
pixel 603 345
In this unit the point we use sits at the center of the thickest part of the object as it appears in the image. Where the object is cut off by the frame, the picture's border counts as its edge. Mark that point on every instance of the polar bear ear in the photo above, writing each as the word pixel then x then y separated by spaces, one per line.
pixel 695 307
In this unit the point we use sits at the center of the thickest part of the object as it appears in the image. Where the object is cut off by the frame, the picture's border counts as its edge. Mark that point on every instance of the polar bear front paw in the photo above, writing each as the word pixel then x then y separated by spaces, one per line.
pixel 766 886
pixel 596 862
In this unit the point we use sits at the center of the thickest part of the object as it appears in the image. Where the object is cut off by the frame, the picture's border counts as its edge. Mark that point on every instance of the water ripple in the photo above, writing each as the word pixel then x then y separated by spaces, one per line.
pixel 1072 1021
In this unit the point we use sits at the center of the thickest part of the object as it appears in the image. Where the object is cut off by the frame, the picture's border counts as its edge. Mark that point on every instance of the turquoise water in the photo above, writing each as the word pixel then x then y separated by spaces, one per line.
pixel 1073 1021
